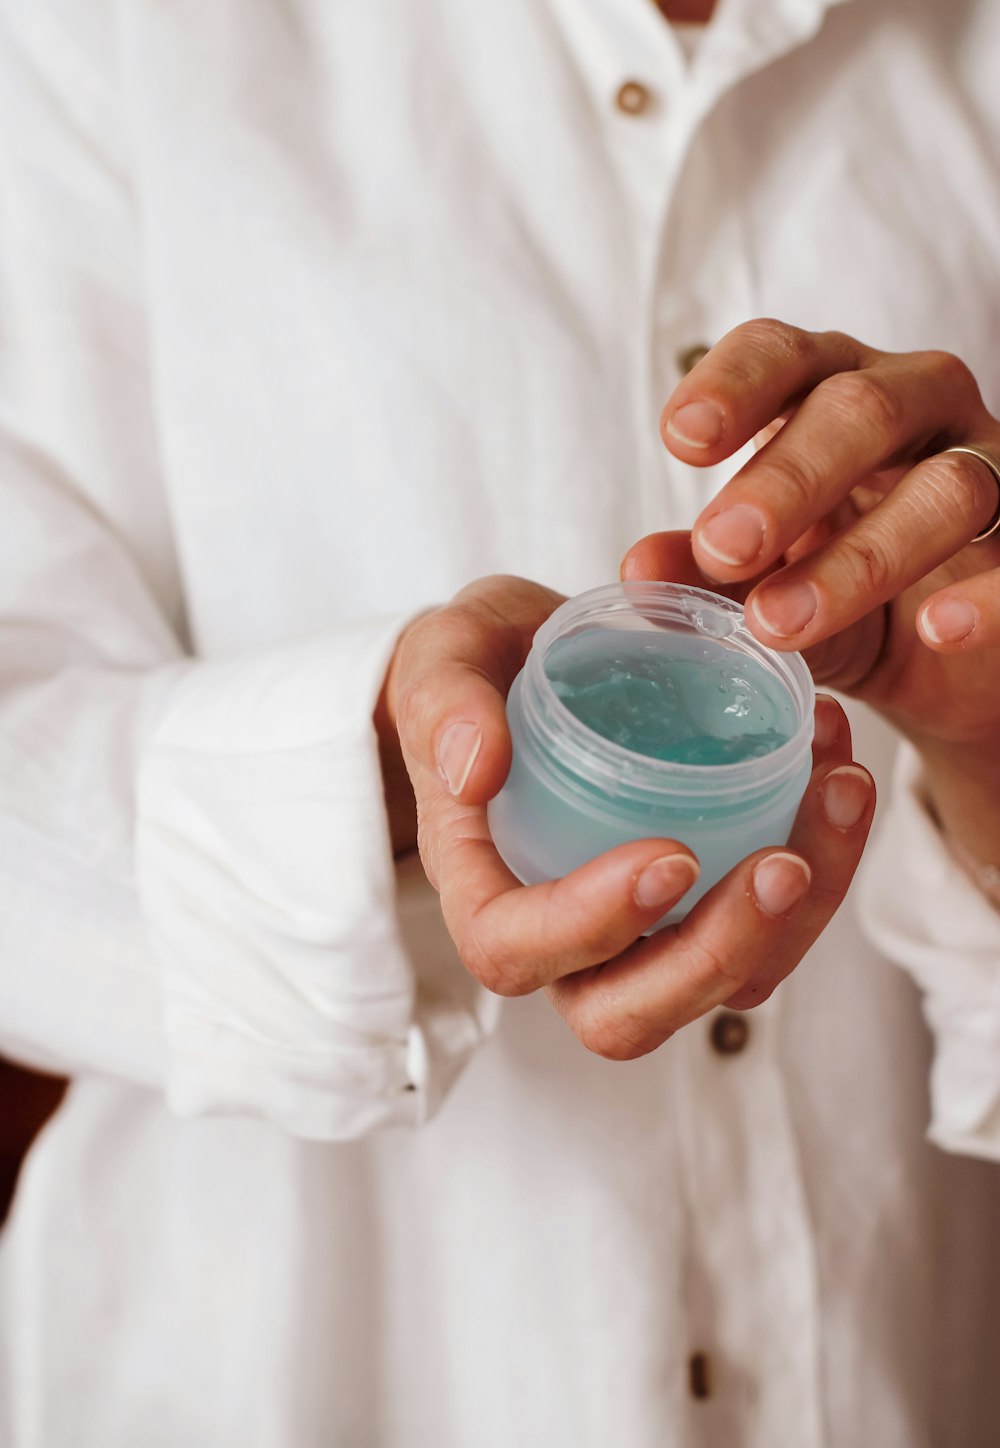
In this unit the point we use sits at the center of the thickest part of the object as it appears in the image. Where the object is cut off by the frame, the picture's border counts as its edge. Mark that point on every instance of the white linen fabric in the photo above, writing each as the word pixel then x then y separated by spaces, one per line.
pixel 309 315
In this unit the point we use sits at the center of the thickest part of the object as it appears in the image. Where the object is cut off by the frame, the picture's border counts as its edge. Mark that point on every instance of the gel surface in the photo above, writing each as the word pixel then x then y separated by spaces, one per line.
pixel 670 696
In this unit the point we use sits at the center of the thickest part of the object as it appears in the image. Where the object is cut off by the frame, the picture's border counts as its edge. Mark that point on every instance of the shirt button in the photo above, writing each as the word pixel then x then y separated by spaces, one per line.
pixel 690 357
pixel 730 1033
pixel 633 98
pixel 700 1375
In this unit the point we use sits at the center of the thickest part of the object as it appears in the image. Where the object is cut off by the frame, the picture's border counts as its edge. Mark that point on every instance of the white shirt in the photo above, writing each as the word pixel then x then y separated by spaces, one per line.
pixel 310 314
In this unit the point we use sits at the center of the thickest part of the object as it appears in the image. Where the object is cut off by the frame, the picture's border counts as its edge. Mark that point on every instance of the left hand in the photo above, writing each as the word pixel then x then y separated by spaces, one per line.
pixel 848 533
pixel 581 937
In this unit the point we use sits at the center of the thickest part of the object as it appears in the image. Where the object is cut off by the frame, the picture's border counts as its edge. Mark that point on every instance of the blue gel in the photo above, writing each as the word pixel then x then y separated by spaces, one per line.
pixel 649 710
pixel 687 700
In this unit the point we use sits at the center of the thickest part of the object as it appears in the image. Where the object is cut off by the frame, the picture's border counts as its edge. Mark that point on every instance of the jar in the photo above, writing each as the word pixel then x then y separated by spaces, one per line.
pixel 573 792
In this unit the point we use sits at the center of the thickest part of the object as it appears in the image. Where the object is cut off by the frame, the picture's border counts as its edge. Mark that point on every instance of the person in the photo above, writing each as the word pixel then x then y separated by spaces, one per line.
pixel 315 318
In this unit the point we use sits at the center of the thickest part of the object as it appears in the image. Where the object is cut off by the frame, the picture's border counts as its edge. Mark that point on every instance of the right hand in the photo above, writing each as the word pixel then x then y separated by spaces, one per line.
pixel 581 937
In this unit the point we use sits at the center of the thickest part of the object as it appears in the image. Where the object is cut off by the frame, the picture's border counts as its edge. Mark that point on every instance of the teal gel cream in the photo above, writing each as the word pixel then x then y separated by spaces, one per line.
pixel 648 709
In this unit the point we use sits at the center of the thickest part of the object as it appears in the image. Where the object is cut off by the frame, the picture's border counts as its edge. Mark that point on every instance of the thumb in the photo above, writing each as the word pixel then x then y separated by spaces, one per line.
pixel 449 681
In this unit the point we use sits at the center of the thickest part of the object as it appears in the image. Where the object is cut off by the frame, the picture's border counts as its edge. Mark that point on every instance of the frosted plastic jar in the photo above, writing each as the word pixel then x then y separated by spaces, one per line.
pixel 573 793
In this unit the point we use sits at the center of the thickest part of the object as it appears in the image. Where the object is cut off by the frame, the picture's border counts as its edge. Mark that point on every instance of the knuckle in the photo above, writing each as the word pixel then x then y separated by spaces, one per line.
pixel 414 639
pixel 780 338
pixel 864 398
pixel 838 342
pixel 963 483
pixel 951 370
pixel 569 913
pixel 488 631
pixel 868 562
pixel 508 600
pixel 826 896
pixel 473 620
pixel 493 969
pixel 790 483
pixel 711 964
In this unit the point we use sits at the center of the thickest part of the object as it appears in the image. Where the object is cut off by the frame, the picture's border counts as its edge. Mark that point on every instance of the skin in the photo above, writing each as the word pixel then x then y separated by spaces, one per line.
pixel 446 751
pixel 863 525
pixel 845 512
pixel 853 528
pixel 688 12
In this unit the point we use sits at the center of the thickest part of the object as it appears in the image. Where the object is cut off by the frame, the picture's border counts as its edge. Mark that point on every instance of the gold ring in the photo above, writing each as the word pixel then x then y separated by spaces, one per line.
pixel 994 467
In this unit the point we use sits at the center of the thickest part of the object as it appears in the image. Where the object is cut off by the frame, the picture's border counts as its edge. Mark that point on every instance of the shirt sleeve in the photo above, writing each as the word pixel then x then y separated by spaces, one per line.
pixel 922 911
pixel 197 889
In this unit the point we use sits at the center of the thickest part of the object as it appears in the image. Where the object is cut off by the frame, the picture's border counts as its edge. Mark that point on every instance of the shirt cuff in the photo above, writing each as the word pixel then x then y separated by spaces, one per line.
pixel 265 871
pixel 921 909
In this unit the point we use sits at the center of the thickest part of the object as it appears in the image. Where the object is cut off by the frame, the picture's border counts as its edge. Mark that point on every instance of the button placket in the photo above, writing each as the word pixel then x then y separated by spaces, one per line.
pixel 739 1169
pixel 706 286
pixel 743 1179
pixel 652 168
pixel 641 84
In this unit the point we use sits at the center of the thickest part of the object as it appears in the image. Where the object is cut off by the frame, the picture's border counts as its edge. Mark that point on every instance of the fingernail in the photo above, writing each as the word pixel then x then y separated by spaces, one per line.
pixel 457 752
pixel 826 721
pixel 779 882
pixel 699 424
pixel 734 536
pixel 845 795
pixel 948 620
pixel 664 880
pixel 785 609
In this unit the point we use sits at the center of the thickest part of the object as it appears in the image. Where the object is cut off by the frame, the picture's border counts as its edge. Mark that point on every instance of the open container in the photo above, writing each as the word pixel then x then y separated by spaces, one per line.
pixel 572 793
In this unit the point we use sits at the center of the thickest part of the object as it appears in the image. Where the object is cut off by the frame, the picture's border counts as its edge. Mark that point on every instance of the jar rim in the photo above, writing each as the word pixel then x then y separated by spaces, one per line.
pixel 621 771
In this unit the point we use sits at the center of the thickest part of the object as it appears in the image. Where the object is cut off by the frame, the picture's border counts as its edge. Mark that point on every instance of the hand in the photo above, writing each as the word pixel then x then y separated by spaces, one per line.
pixel 848 534
pixel 580 937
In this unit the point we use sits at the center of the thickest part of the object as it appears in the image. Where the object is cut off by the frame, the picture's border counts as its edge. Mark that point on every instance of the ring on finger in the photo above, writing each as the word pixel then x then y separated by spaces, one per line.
pixel 994 466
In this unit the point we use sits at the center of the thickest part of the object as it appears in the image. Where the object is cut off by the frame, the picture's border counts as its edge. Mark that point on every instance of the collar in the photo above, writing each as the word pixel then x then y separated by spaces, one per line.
pixel 745 35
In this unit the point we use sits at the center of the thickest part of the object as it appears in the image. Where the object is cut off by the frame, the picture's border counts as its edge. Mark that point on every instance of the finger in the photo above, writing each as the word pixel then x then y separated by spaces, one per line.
pixel 964 617
pixel 669 557
pixel 842 516
pixel 741 939
pixel 868 494
pixel 813 538
pixel 852 425
pixel 841 661
pixel 632 1004
pixel 663 556
pixel 830 832
pixel 762 438
pixel 932 514
pixel 449 684
pixel 831 732
pixel 756 372
pixel 516 938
